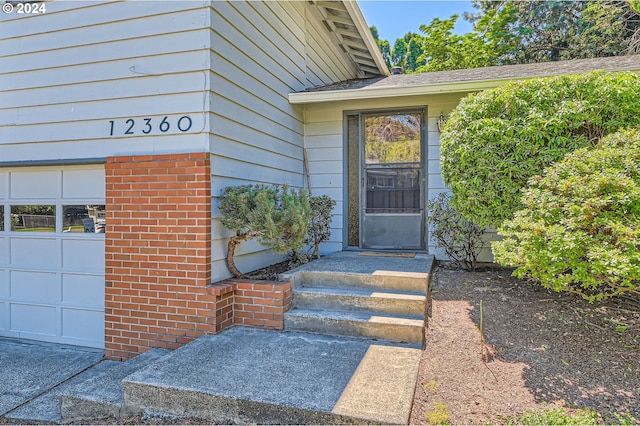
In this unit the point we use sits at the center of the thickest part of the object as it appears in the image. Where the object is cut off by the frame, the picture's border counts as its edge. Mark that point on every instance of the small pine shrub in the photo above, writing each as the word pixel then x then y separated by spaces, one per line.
pixel 460 238
pixel 277 216
pixel 320 226
pixel 580 229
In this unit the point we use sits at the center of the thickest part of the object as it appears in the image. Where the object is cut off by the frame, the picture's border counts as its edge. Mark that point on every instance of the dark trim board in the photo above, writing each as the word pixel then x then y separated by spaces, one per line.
pixel 57 162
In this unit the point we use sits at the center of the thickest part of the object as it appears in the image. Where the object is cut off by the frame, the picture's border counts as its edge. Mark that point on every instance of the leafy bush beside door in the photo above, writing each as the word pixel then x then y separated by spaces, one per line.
pixel 579 230
pixel 497 139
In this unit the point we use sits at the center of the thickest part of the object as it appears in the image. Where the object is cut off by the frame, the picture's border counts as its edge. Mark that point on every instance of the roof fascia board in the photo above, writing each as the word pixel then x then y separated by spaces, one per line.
pixel 358 19
pixel 392 92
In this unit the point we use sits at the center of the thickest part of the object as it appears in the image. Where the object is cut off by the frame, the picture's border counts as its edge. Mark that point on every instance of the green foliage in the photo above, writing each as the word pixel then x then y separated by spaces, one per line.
pixel 552 30
pixel 438 415
pixel 494 141
pixel 460 238
pixel 485 46
pixel 580 229
pixel 46 210
pixel 320 225
pixel 383 46
pixel 281 218
pixel 557 416
pixel 237 204
pixel 277 216
pixel 518 32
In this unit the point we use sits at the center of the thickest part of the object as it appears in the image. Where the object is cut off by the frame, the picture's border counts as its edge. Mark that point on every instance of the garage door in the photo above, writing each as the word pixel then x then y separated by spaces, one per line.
pixel 52 254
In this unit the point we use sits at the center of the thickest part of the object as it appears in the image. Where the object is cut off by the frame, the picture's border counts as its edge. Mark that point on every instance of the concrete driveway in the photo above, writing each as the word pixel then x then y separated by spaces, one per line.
pixel 30 370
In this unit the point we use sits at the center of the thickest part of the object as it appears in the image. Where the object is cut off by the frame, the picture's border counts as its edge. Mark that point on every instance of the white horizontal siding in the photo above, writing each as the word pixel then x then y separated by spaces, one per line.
pixel 88 14
pixel 66 74
pixel 134 28
pixel 261 52
pixel 105 52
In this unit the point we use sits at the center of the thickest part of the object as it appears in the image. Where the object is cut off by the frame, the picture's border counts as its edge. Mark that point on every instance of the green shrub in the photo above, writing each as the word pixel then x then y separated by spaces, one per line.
pixel 494 141
pixel 557 416
pixel 320 225
pixel 277 216
pixel 460 238
pixel 580 228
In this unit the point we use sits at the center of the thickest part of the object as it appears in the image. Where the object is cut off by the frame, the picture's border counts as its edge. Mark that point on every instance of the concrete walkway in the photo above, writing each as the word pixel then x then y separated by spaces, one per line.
pixel 246 376
pixel 29 370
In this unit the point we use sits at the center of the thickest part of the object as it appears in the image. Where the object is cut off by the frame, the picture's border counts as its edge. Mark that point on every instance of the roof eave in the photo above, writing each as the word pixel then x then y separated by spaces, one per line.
pixel 393 92
pixel 361 24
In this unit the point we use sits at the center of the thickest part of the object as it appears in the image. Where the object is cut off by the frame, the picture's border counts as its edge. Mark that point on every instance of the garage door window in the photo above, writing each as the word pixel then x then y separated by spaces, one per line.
pixel 85 218
pixel 33 218
pixel 1 218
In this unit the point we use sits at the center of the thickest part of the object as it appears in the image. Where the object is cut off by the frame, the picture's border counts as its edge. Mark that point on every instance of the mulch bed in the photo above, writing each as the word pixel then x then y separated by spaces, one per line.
pixel 548 348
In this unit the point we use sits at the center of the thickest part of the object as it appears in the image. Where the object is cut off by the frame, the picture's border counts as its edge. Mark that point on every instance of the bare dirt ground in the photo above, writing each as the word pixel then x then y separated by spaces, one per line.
pixel 541 348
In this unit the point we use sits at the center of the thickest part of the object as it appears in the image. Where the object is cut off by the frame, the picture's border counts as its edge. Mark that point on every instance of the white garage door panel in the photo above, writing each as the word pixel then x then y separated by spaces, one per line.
pixel 36 253
pixel 34 319
pixel 83 255
pixel 80 324
pixel 4 284
pixel 83 290
pixel 3 314
pixel 4 178
pixel 3 251
pixel 43 287
pixel 34 184
pixel 83 184
pixel 52 284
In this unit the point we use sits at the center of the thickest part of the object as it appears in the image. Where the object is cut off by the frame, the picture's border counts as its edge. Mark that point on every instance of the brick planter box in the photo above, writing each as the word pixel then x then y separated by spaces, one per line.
pixel 252 303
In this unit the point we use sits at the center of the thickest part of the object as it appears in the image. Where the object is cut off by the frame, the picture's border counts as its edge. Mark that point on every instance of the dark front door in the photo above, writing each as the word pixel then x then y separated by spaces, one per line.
pixel 392 179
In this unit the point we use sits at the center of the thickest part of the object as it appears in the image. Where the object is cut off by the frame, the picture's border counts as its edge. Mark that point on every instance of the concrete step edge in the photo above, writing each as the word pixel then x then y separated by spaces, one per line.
pixel 102 396
pixel 390 327
pixel 380 317
pixel 391 281
pixel 360 300
pixel 221 409
pixel 363 291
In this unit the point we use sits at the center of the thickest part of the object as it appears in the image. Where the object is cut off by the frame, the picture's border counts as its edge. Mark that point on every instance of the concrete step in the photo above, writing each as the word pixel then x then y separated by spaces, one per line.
pixel 249 376
pixel 414 282
pixel 360 299
pixel 45 409
pixel 374 325
pixel 375 272
pixel 101 395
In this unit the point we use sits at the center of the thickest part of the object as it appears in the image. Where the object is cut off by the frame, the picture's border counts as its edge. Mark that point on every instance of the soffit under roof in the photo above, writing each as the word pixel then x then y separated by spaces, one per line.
pixel 344 20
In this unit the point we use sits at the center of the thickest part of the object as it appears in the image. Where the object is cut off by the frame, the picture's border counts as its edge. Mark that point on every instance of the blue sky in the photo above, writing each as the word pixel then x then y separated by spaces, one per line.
pixel 395 18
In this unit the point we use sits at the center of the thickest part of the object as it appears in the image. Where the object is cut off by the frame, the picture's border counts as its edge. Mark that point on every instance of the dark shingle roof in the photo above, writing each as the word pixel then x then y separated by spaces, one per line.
pixel 505 72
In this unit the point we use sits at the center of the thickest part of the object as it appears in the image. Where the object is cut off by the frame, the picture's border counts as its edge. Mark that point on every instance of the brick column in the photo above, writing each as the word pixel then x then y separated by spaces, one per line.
pixel 158 252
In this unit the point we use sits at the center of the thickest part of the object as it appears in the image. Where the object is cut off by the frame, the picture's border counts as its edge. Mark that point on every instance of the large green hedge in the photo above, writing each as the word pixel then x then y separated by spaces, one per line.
pixel 580 228
pixel 497 139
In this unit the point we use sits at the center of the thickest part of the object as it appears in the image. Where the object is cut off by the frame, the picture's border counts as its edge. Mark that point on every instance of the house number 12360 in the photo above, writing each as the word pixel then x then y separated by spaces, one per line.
pixel 136 126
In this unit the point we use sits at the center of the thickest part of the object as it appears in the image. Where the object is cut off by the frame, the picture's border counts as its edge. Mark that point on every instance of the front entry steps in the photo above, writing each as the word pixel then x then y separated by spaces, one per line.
pixel 371 297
